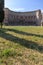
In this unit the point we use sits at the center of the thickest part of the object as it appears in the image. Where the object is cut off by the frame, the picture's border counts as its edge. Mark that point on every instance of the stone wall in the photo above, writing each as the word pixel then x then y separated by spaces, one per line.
pixel 22 18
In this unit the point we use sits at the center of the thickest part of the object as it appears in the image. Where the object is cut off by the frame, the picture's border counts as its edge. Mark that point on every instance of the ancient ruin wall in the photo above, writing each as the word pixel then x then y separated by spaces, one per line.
pixel 22 18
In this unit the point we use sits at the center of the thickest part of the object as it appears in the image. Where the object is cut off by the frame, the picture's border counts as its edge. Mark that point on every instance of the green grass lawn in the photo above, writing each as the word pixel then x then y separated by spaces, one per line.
pixel 21 45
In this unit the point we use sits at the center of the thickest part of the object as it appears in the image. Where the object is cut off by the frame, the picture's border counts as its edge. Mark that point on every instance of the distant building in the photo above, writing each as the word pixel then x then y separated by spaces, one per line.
pixel 22 18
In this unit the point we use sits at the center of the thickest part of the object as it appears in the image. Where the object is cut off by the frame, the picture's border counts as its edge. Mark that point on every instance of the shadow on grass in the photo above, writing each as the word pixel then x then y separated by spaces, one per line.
pixel 23 33
pixel 23 42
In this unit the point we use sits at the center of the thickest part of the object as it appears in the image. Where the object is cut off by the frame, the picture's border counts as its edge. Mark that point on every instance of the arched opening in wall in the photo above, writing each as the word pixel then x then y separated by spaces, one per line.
pixel 33 23
pixel 21 22
pixel 42 23
pixel 10 23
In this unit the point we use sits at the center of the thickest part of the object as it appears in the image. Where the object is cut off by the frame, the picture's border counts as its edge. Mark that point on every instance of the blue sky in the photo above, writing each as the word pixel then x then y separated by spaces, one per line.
pixel 24 5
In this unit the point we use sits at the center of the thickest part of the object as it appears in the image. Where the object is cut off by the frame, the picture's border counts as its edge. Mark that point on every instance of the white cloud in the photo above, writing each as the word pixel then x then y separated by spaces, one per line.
pixel 42 11
pixel 19 9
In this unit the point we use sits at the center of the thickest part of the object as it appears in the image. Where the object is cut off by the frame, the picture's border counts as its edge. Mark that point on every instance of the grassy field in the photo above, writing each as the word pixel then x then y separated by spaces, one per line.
pixel 21 45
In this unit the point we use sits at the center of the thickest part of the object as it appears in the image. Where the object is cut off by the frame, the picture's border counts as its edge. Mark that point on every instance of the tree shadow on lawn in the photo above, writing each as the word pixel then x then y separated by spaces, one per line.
pixel 23 33
pixel 23 42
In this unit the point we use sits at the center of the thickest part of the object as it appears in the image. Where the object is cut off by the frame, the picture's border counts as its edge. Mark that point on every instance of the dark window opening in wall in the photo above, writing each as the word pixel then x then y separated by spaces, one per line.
pixel 21 22
pixel 21 17
pixel 25 17
pixel 34 17
pixel 14 17
pixel 17 17
pixel 10 23
pixel 29 17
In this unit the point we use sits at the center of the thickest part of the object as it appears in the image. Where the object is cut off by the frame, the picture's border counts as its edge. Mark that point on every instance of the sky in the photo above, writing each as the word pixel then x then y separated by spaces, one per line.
pixel 24 5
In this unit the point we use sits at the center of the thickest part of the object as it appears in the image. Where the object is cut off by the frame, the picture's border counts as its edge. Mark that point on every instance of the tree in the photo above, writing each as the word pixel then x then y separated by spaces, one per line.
pixel 1 11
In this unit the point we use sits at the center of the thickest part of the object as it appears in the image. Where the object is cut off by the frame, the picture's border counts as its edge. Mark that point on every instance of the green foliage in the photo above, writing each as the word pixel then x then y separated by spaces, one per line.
pixel 1 11
pixel 6 52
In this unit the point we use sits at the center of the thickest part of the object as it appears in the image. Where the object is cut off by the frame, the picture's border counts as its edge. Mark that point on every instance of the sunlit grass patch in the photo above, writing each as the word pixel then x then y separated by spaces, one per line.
pixel 22 45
